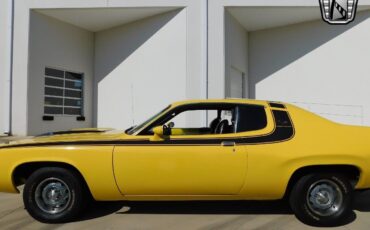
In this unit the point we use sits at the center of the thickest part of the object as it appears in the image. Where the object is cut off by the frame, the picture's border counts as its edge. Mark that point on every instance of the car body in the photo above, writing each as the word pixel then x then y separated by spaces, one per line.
pixel 259 160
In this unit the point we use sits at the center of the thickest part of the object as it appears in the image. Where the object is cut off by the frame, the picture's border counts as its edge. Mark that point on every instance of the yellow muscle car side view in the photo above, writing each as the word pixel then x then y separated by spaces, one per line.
pixel 249 150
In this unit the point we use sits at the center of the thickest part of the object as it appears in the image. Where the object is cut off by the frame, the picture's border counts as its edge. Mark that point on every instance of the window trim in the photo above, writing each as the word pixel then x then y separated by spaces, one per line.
pixel 182 108
pixel 63 97
pixel 220 105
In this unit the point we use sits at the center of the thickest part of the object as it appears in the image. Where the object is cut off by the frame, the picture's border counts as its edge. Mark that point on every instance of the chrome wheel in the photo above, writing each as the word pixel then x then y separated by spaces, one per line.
pixel 52 195
pixel 324 198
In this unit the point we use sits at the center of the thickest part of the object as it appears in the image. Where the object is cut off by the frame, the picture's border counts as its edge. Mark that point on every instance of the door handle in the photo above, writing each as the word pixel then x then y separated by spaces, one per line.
pixel 228 143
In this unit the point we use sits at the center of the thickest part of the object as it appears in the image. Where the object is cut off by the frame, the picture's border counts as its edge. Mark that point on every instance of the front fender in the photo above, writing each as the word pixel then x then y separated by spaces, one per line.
pixel 93 162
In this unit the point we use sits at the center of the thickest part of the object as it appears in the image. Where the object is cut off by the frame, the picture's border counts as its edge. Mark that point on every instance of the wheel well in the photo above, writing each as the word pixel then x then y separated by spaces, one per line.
pixel 22 172
pixel 352 172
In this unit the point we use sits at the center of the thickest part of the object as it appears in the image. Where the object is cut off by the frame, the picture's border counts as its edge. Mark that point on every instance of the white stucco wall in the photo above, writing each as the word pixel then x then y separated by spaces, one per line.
pixel 192 31
pixel 236 49
pixel 321 67
pixel 56 44
pixel 173 49
pixel 140 68
pixel 5 31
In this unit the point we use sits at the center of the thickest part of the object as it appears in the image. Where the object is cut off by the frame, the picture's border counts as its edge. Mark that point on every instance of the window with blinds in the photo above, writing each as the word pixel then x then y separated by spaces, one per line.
pixel 63 92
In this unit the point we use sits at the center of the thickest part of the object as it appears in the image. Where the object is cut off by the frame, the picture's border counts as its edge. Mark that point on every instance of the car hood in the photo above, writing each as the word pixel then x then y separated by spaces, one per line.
pixel 70 136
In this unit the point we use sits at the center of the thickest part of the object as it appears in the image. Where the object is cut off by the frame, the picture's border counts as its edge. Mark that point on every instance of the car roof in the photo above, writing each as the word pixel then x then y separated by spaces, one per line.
pixel 227 100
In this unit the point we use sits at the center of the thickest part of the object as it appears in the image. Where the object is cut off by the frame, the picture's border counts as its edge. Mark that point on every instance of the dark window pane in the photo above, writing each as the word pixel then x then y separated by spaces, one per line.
pixel 53 110
pixel 73 93
pixel 54 72
pixel 53 101
pixel 277 105
pixel 282 118
pixel 53 91
pixel 72 102
pixel 54 82
pixel 251 118
pixel 72 111
pixel 73 76
pixel 74 84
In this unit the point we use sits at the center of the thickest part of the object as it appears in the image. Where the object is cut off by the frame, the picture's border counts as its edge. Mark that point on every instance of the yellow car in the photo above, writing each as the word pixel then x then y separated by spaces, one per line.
pixel 250 150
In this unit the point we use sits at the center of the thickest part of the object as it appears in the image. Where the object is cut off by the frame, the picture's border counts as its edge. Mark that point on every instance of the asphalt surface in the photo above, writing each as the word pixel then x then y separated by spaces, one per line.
pixel 180 215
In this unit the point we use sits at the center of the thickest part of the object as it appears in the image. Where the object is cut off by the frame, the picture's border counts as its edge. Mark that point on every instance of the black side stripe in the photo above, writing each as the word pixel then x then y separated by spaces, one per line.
pixel 283 131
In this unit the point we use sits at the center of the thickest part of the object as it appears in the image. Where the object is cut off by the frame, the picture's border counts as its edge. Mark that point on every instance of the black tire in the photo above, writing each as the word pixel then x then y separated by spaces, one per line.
pixel 311 203
pixel 66 189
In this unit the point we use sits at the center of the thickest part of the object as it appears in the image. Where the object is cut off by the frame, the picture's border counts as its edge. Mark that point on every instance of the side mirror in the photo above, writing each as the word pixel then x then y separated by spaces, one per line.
pixel 161 132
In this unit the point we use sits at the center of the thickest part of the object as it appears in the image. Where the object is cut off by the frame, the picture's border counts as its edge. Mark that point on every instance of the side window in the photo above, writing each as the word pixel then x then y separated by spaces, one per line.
pixel 221 122
pixel 190 119
pixel 251 118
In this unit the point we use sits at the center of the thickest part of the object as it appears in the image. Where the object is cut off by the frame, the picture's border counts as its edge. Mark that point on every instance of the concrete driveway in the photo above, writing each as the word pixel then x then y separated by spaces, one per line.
pixel 179 215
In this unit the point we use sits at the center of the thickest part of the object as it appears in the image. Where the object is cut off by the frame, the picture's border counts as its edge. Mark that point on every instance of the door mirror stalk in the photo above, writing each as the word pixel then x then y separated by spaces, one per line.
pixel 161 133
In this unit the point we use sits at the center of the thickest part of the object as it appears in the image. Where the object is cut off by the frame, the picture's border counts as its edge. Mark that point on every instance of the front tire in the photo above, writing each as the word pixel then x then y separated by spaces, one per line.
pixel 54 195
pixel 322 199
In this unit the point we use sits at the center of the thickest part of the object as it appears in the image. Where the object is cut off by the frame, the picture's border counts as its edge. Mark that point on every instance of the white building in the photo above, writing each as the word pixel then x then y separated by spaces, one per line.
pixel 112 63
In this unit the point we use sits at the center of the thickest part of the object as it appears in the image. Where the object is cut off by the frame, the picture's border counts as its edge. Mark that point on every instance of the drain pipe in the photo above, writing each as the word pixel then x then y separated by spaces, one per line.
pixel 10 28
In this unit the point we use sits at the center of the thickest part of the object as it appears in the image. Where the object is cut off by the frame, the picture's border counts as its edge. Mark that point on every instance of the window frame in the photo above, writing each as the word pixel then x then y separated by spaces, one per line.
pixel 64 97
pixel 215 105
pixel 178 109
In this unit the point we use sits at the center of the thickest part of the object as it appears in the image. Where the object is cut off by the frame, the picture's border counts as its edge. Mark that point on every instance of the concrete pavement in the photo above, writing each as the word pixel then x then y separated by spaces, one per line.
pixel 178 215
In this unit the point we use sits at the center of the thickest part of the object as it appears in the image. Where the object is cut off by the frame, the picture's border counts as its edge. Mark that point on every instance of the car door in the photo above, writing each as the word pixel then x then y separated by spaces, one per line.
pixel 180 169
pixel 214 164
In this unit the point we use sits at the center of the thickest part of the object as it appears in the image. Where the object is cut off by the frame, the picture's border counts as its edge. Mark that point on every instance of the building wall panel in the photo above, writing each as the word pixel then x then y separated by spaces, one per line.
pixel 140 68
pixel 236 50
pixel 60 45
pixel 322 66
pixel 5 31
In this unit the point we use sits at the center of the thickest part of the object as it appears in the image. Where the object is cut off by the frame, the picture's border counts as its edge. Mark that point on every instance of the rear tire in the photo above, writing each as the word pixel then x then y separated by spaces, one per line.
pixel 322 199
pixel 54 195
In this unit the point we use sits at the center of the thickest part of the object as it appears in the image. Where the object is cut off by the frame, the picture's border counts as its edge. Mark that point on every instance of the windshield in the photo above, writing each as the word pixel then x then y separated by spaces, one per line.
pixel 136 128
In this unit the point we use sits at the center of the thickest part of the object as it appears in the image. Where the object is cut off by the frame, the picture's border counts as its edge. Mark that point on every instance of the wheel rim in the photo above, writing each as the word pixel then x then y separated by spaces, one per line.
pixel 52 195
pixel 324 198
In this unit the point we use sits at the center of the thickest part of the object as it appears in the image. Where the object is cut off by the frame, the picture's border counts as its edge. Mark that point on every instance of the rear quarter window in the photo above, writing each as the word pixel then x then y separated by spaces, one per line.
pixel 251 118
